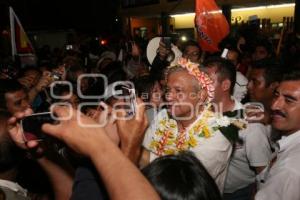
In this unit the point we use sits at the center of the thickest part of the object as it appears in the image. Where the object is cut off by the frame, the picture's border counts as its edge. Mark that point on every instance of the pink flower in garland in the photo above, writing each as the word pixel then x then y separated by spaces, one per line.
pixel 203 79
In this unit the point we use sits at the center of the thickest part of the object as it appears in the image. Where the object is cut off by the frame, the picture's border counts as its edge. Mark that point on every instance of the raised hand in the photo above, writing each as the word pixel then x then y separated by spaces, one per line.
pixel 78 131
pixel 131 131
pixel 163 52
pixel 103 116
pixel 15 130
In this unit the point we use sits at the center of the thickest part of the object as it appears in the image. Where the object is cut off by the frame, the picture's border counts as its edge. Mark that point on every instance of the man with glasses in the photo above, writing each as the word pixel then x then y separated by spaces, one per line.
pixel 192 51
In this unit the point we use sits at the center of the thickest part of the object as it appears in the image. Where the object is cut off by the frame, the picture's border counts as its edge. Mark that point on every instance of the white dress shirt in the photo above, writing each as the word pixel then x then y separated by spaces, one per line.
pixel 282 180
pixel 252 150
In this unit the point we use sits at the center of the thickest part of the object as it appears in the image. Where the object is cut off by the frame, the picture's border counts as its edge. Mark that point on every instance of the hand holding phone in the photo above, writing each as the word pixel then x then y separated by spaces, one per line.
pixel 32 126
pixel 130 100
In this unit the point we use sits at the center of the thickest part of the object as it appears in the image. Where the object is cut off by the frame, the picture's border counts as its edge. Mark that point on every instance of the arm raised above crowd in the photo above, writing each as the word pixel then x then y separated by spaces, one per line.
pixel 121 177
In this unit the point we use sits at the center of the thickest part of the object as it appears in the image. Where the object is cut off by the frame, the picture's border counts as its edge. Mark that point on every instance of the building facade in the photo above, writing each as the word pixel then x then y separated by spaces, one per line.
pixel 148 16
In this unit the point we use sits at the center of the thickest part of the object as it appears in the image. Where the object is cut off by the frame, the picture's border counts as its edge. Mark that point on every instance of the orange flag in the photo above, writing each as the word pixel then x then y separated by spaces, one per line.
pixel 211 25
pixel 20 43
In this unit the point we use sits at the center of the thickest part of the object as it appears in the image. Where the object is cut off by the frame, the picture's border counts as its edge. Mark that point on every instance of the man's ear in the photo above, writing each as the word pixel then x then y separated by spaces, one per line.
pixel 226 84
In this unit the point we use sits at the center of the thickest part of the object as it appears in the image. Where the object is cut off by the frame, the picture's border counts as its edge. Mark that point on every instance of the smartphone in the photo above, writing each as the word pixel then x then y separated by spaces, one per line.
pixel 167 41
pixel 32 126
pixel 130 100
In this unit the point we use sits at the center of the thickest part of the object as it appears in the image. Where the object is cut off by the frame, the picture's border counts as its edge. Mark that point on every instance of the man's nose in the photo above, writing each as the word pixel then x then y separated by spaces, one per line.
pixel 277 103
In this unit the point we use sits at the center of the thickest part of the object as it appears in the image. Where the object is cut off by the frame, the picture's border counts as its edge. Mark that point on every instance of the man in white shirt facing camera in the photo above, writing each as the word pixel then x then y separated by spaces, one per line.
pixel 281 178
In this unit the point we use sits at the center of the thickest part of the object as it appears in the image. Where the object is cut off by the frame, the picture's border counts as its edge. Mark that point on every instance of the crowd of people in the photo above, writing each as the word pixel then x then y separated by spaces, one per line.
pixel 200 126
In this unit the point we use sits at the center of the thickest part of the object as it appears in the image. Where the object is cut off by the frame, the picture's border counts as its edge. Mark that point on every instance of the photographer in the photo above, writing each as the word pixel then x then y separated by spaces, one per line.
pixel 127 183
pixel 58 171
pixel 160 61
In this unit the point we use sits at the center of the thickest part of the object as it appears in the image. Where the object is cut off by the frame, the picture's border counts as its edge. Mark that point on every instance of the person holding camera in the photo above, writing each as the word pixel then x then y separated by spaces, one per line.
pixel 15 166
pixel 128 183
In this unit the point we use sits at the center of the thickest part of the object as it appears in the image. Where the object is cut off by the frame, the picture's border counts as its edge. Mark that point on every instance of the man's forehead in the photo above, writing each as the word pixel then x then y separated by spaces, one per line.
pixel 192 48
pixel 16 95
pixel 257 73
pixel 211 69
pixel 182 78
pixel 289 88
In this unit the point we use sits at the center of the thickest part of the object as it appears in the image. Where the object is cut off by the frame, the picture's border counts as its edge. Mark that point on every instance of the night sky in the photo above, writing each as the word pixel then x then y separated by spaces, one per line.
pixel 85 15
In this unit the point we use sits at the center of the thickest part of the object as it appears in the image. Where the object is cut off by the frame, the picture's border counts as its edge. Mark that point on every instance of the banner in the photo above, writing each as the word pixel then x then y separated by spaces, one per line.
pixel 211 25
pixel 20 43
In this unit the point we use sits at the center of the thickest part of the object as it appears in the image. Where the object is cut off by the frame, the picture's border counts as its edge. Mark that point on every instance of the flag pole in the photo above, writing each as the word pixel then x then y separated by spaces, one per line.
pixel 12 33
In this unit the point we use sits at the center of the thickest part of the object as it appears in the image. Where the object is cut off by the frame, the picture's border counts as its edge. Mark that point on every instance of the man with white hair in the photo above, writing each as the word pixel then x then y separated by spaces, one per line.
pixel 189 124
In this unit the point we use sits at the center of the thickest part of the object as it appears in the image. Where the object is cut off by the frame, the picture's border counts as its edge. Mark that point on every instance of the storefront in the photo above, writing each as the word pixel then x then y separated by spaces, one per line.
pixel 273 12
pixel 183 23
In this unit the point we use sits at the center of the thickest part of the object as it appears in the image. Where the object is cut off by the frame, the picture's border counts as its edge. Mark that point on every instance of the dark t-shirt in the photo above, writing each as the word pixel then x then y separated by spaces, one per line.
pixel 88 185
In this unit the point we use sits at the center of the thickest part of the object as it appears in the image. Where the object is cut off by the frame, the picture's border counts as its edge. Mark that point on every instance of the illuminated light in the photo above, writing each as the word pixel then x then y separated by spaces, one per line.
pixel 282 5
pixel 264 7
pixel 116 19
pixel 183 38
pixel 193 14
pixel 184 15
pixel 280 24
pixel 240 9
pixel 247 9
pixel 103 42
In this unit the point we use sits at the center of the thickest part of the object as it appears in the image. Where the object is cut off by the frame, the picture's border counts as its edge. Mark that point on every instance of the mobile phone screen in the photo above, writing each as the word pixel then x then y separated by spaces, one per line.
pixel 32 126
pixel 130 100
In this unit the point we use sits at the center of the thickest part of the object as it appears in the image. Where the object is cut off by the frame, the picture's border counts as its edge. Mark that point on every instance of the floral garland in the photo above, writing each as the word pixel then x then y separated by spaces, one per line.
pixel 203 79
pixel 165 140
